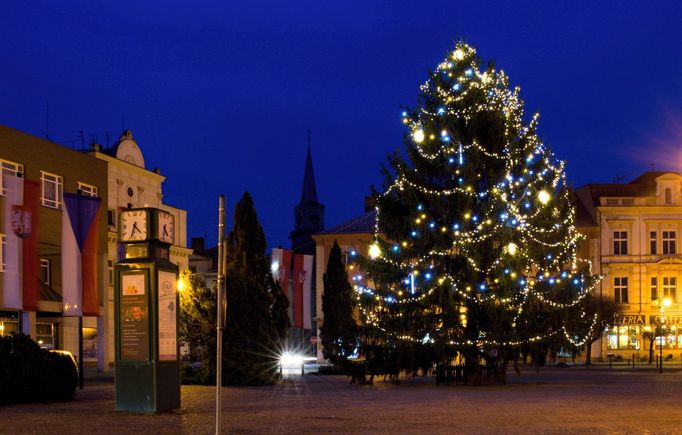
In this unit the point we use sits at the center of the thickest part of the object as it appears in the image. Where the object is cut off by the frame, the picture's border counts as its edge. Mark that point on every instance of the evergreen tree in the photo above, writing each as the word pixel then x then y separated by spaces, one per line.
pixel 475 246
pixel 197 328
pixel 250 339
pixel 279 308
pixel 338 333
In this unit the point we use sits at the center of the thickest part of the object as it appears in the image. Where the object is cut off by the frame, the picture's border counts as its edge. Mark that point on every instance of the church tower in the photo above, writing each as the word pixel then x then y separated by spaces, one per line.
pixel 309 213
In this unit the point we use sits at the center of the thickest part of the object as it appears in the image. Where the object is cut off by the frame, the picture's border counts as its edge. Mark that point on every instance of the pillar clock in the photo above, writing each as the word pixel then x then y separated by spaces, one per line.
pixel 146 313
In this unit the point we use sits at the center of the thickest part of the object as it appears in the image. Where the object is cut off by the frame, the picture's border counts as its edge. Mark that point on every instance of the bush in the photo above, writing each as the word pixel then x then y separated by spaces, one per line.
pixel 31 374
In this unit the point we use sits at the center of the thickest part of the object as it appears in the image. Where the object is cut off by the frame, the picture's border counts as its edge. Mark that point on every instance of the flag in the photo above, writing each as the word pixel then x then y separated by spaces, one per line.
pixel 80 227
pixel 298 291
pixel 30 263
pixel 13 188
pixel 307 283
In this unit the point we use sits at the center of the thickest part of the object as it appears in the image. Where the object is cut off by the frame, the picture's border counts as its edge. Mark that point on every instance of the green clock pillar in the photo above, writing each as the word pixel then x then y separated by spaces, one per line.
pixel 146 314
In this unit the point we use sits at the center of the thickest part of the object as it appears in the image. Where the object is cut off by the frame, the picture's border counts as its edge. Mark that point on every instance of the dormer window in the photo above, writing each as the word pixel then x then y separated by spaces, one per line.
pixel 668 193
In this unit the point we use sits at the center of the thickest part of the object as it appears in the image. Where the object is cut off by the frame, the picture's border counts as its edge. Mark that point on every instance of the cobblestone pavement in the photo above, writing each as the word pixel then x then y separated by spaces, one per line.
pixel 571 400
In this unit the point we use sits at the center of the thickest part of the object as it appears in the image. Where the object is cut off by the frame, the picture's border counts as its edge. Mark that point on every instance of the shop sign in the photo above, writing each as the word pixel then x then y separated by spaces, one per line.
pixel 629 319
pixel 670 319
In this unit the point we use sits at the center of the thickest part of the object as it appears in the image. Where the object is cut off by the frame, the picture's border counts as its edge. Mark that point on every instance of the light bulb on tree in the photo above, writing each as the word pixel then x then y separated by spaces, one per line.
pixel 374 251
pixel 544 197
pixel 418 136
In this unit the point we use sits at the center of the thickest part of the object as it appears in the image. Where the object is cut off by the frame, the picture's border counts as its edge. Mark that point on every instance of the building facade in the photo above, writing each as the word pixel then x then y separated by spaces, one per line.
pixel 57 170
pixel 131 185
pixel 632 239
pixel 354 235
pixel 118 177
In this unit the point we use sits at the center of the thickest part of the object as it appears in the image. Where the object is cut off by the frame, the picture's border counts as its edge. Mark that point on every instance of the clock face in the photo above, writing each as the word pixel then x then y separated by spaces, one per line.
pixel 166 227
pixel 133 225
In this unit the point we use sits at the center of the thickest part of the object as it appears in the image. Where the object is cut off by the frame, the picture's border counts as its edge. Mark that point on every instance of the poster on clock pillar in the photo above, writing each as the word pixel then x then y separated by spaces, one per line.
pixel 168 342
pixel 134 317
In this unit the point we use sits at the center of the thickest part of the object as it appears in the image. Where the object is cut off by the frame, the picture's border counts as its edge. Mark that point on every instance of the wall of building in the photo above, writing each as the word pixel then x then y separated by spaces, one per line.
pixel 38 155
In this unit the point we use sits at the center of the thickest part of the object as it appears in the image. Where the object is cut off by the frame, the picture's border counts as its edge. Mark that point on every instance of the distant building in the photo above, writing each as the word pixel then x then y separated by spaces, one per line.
pixel 632 232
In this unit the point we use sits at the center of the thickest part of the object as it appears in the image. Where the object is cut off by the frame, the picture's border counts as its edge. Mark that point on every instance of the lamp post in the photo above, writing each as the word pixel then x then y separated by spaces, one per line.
pixel 661 322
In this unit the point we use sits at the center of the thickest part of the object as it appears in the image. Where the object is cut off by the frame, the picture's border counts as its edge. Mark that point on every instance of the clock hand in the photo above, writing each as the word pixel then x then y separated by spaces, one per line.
pixel 165 232
pixel 135 228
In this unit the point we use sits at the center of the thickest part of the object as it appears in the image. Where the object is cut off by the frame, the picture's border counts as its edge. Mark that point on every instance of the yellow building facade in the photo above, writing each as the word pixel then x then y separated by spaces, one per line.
pixel 633 239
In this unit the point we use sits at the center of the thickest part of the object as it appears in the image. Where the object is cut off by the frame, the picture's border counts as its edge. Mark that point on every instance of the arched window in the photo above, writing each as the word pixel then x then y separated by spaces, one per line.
pixel 668 196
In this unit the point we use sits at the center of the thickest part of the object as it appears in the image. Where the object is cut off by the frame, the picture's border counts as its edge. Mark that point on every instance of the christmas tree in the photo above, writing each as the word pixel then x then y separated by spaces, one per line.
pixel 474 253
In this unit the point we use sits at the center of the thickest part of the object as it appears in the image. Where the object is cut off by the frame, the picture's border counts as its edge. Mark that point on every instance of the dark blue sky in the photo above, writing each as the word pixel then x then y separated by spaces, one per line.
pixel 220 94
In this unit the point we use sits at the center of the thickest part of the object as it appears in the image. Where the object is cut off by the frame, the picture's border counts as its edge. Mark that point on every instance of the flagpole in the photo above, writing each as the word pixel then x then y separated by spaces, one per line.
pixel 80 351
pixel 220 314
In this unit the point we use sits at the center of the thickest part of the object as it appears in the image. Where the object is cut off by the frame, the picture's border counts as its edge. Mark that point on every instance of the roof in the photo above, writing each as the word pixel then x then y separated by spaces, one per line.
pixel 363 224
pixel 644 185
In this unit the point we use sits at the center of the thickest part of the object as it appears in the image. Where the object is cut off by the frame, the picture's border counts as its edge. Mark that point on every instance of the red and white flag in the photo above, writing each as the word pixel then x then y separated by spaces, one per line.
pixel 13 190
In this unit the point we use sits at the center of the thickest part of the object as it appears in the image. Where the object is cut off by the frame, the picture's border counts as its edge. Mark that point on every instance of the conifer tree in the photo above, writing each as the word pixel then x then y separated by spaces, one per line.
pixel 474 255
pixel 338 332
pixel 251 341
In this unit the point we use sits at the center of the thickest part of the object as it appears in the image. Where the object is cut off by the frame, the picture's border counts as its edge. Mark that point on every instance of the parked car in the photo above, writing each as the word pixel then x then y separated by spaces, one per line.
pixel 68 356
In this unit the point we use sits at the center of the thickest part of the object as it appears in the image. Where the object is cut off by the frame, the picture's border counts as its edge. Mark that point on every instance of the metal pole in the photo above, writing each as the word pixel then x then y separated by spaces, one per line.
pixel 219 314
pixel 80 352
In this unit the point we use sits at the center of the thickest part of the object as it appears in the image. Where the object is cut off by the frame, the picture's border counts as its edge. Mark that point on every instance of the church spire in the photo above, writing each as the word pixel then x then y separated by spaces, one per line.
pixel 309 213
pixel 309 193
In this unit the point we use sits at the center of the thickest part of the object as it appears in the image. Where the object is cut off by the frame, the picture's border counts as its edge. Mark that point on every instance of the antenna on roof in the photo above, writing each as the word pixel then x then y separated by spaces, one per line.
pixel 81 136
pixel 46 132
pixel 618 179
pixel 106 135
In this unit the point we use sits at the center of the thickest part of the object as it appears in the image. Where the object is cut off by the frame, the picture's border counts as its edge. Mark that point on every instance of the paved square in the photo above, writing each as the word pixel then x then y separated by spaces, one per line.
pixel 570 400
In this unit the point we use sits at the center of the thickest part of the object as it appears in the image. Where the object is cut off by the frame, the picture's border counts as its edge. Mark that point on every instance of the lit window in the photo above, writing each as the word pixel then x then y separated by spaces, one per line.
pixel 653 239
pixel 669 245
pixel 10 168
pixel 52 190
pixel 620 243
pixel 87 189
pixel 668 196
pixel 670 287
pixel 654 288
pixel 620 290
pixel 45 271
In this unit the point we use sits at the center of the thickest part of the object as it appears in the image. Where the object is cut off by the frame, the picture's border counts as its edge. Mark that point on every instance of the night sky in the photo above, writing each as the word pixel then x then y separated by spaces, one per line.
pixel 220 94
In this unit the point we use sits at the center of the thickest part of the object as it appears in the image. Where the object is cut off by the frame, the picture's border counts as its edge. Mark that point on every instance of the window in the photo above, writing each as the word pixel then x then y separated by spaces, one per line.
pixel 87 189
pixel 670 287
pixel 3 250
pixel 620 243
pixel 52 190
pixel 9 168
pixel 654 288
pixel 111 217
pixel 45 271
pixel 653 239
pixel 623 337
pixel 668 196
pixel 110 270
pixel 620 290
pixel 669 247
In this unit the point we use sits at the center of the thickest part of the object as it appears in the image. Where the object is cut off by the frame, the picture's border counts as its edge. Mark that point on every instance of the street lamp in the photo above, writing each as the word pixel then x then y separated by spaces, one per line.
pixel 661 321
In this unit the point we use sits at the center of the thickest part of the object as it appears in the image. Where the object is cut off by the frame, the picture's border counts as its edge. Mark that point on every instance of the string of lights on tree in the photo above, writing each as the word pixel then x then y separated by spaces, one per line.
pixel 476 215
